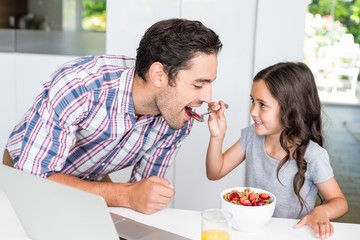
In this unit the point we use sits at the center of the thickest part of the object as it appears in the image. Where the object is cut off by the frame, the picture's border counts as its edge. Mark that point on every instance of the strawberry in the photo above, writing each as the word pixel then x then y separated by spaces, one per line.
pixel 252 197
pixel 196 116
pixel 260 202
pixel 245 202
pixel 234 196
pixel 264 196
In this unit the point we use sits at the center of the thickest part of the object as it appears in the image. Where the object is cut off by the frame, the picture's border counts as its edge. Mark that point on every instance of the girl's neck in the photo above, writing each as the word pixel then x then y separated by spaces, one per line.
pixel 273 147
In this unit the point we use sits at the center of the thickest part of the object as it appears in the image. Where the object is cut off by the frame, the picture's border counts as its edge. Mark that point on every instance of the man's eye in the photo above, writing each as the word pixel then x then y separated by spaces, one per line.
pixel 198 86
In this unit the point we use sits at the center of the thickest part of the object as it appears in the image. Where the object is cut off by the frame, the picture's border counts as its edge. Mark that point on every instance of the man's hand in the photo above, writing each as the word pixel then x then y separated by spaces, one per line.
pixel 150 195
pixel 146 196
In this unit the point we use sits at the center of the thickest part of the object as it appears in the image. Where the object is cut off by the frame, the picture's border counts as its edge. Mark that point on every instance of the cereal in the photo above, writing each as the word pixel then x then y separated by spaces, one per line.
pixel 247 198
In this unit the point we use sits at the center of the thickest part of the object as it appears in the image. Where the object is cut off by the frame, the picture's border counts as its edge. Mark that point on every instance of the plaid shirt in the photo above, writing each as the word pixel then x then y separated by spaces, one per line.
pixel 83 124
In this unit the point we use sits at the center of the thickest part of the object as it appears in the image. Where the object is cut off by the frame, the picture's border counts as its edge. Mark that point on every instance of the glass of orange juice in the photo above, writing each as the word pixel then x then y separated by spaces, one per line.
pixel 215 224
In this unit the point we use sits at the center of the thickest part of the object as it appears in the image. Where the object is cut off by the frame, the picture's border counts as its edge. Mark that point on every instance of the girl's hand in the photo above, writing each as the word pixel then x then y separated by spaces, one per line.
pixel 217 120
pixel 319 222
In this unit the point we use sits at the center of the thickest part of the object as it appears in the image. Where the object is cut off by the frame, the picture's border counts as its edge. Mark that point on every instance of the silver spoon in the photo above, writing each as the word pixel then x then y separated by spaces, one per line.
pixel 200 118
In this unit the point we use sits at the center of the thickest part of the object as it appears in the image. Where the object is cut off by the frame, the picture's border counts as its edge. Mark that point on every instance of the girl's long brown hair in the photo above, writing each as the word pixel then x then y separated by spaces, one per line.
pixel 293 85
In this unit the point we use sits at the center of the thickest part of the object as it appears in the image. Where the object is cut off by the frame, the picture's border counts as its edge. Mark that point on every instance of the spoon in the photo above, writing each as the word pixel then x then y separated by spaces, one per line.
pixel 200 118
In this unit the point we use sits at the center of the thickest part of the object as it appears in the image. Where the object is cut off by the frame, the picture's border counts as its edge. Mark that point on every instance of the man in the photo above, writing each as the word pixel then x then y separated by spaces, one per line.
pixel 97 115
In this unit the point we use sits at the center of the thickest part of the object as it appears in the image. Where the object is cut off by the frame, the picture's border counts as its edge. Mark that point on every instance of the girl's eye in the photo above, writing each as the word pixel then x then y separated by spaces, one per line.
pixel 251 100
pixel 198 86
pixel 262 105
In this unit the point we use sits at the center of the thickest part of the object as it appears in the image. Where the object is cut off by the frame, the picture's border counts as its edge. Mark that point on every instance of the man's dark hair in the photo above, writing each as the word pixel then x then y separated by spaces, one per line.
pixel 173 43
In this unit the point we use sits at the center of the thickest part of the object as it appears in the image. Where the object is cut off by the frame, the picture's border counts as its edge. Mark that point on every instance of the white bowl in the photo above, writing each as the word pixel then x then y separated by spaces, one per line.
pixel 248 218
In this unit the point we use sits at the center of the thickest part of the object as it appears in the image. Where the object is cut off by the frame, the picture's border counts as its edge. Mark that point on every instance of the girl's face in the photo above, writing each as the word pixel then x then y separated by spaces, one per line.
pixel 265 110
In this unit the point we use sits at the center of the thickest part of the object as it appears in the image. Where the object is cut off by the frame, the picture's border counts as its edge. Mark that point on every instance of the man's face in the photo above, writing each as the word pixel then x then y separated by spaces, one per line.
pixel 193 86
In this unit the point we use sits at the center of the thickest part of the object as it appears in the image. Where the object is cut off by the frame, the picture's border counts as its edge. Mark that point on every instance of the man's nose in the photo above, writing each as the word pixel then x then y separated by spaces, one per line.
pixel 206 94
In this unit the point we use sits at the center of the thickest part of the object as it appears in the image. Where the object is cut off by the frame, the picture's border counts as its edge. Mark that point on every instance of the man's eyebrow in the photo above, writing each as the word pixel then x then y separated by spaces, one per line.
pixel 201 80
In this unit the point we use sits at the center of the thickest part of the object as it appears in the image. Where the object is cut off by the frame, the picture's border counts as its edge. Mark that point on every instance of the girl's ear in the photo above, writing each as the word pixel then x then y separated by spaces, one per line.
pixel 156 75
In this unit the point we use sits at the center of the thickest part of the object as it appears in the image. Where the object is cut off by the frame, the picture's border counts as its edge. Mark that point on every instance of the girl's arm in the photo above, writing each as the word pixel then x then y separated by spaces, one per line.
pixel 335 202
pixel 218 164
pixel 335 206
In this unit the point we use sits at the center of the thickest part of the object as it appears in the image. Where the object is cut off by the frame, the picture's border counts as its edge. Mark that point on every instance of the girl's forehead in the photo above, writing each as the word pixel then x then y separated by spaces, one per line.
pixel 261 92
pixel 260 87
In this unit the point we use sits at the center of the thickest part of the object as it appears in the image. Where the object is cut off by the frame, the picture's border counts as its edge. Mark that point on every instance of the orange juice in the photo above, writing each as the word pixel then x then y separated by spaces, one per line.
pixel 215 234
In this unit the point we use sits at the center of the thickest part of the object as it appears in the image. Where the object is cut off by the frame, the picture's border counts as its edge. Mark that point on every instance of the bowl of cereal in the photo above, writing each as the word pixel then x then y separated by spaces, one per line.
pixel 252 208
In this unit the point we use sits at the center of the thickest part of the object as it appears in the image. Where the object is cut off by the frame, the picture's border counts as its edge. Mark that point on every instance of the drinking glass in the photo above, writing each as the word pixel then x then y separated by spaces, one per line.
pixel 215 224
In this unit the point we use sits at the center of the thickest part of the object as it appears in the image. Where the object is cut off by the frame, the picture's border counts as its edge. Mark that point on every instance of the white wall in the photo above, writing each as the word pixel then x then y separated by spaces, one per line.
pixel 279 32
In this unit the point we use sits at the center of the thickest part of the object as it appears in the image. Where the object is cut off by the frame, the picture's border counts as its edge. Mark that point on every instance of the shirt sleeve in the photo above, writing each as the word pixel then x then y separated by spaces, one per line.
pixel 245 136
pixel 319 163
pixel 53 123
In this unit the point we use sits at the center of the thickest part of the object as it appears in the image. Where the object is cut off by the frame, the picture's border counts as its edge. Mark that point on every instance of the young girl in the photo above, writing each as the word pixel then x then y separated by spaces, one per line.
pixel 283 147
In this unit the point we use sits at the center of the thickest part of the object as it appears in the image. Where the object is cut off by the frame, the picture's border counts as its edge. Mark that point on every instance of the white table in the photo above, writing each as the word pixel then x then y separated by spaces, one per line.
pixel 186 223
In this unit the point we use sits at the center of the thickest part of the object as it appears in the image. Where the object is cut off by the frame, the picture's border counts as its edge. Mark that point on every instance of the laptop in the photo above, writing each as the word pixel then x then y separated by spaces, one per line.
pixel 49 210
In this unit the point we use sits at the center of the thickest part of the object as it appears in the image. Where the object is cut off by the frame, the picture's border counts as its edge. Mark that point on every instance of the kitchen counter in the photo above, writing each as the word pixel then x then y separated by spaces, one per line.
pixel 186 223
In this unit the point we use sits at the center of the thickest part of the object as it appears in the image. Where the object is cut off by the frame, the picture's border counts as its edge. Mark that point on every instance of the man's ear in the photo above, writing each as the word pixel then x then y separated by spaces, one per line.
pixel 157 75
